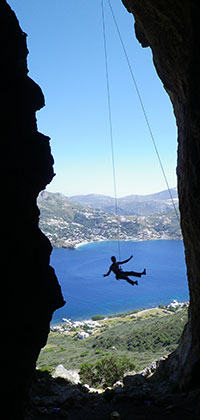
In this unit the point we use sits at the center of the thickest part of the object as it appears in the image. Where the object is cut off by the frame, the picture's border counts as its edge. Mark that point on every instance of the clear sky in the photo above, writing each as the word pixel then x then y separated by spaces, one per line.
pixel 65 41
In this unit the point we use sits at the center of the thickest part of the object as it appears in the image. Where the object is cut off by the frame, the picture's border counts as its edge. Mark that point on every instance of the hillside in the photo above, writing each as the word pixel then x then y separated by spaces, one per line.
pixel 136 395
pixel 138 205
pixel 67 224
pixel 143 337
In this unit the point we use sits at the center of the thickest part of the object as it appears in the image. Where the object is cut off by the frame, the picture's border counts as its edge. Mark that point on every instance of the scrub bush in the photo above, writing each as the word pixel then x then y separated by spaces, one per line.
pixel 106 371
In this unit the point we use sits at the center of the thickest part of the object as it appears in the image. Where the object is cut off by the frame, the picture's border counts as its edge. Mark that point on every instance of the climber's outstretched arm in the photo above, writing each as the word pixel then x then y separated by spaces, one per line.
pixel 107 274
pixel 125 261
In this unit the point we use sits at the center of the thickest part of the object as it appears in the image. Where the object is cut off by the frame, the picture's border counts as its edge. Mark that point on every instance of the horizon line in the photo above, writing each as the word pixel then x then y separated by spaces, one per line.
pixel 106 195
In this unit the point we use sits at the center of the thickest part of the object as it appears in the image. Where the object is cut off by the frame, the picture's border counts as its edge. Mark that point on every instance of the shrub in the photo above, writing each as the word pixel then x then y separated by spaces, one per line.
pixel 106 371
pixel 98 317
pixel 171 309
pixel 87 373
pixel 85 353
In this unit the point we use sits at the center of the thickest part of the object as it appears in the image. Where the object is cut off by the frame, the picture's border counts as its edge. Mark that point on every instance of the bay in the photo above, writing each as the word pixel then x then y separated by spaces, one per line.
pixel 87 292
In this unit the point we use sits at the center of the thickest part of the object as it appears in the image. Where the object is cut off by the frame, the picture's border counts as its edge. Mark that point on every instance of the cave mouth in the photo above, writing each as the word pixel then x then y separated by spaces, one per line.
pixel 172 32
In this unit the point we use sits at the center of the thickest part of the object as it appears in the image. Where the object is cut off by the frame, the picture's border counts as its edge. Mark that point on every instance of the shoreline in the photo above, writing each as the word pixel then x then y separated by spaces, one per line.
pixel 79 244
pixel 174 304
pixel 75 246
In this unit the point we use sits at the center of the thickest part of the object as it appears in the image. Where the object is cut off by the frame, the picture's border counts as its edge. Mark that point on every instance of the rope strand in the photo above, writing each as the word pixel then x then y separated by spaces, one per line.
pixel 110 123
pixel 144 111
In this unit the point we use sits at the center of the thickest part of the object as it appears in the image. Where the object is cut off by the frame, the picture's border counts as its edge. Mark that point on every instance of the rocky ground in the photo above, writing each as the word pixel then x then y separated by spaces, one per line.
pixel 136 399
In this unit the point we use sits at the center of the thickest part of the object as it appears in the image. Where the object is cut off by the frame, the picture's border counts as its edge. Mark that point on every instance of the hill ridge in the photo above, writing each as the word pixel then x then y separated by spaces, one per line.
pixel 68 224
pixel 164 194
pixel 140 205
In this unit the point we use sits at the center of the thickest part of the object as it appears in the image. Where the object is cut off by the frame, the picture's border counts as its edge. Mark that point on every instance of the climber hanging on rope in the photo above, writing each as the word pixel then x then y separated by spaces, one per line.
pixel 119 274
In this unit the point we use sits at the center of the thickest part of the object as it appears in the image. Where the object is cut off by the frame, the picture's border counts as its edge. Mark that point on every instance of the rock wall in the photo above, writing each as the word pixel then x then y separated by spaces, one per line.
pixel 171 29
pixel 29 288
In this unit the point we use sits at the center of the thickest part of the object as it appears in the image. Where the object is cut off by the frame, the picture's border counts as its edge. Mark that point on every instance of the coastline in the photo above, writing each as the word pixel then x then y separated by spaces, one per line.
pixel 109 240
pixel 174 305
pixel 77 245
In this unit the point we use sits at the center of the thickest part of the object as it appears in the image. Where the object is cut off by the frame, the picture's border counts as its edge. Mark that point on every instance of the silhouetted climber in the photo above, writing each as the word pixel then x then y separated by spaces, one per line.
pixel 120 274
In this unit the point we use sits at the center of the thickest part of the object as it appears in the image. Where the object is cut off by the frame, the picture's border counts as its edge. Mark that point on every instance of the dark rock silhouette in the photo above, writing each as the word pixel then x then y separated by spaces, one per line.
pixel 171 29
pixel 138 399
pixel 29 289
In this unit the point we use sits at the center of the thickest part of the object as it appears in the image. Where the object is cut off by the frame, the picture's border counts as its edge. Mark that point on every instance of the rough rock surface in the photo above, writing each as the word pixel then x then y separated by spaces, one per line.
pixel 171 29
pixel 29 288
pixel 137 399
pixel 70 375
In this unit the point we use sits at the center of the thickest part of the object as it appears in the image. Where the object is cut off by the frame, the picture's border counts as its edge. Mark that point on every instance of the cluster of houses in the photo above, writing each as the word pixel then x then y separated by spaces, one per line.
pixel 175 304
pixel 84 328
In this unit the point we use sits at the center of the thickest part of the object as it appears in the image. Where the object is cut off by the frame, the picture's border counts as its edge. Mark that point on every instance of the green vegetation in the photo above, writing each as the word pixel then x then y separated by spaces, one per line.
pixel 122 314
pixel 106 371
pixel 98 317
pixel 152 334
pixel 141 337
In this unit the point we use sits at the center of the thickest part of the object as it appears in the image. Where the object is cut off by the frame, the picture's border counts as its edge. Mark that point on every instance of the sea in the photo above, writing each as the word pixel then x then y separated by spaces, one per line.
pixel 88 293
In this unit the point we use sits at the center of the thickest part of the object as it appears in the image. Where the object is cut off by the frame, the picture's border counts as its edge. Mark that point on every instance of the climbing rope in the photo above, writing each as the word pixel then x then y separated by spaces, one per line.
pixel 140 101
pixel 110 125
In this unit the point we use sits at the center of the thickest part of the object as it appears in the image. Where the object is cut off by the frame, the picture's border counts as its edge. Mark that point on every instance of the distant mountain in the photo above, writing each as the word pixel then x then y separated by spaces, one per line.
pixel 162 195
pixel 139 205
pixel 67 223
pixel 95 201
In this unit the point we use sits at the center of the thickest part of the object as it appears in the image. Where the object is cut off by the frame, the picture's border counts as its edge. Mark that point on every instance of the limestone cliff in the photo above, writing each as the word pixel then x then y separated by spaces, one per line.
pixel 29 290
pixel 171 29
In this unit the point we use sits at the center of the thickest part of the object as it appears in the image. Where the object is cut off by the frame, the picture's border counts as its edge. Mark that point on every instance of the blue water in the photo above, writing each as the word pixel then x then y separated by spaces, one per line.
pixel 88 293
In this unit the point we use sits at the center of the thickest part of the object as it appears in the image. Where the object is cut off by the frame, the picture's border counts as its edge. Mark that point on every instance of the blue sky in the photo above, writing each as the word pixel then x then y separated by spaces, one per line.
pixel 66 59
